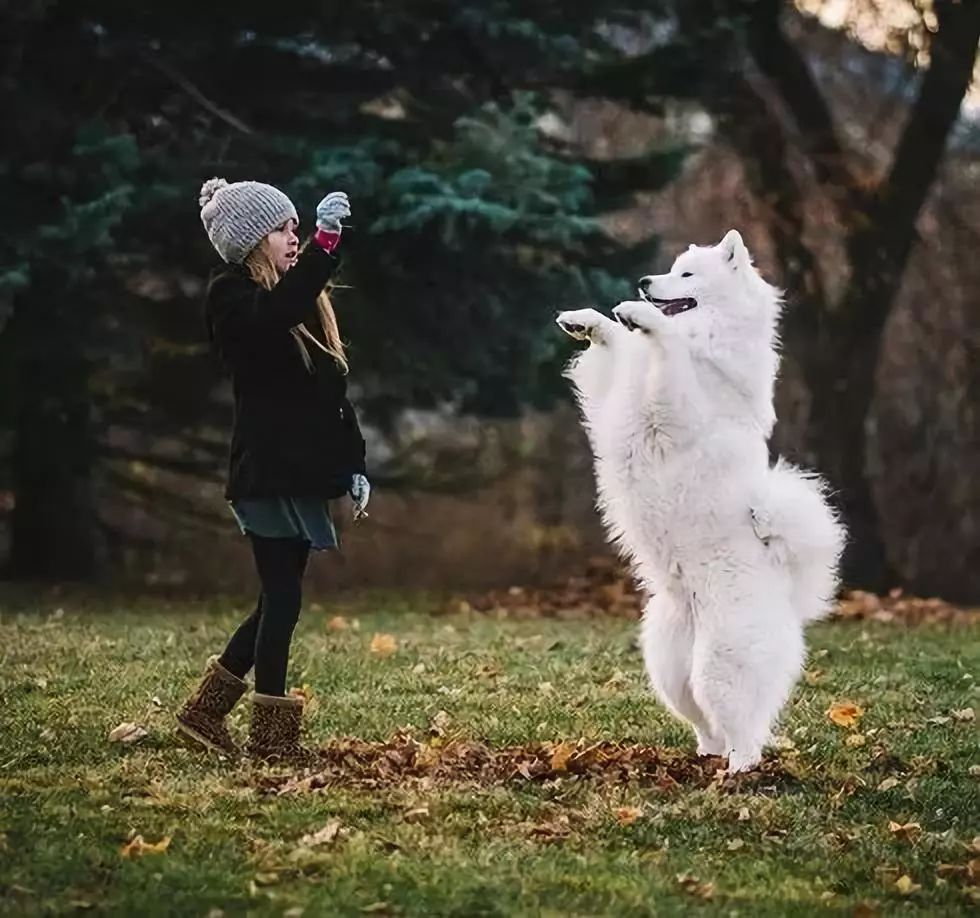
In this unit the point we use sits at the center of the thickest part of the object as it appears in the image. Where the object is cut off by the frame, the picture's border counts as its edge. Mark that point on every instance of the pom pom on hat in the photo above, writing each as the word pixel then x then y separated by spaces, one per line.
pixel 210 188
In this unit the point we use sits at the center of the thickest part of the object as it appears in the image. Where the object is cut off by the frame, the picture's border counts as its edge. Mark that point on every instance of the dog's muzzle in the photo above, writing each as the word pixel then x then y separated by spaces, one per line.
pixel 670 307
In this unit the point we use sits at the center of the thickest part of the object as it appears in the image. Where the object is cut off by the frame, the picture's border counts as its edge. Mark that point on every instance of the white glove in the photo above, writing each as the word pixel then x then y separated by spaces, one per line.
pixel 360 493
pixel 331 210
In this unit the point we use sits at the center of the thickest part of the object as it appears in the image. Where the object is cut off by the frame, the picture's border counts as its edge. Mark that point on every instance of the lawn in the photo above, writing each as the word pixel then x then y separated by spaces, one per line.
pixel 476 765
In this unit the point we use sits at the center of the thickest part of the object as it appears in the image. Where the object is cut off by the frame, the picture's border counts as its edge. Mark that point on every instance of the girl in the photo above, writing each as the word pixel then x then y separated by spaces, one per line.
pixel 296 441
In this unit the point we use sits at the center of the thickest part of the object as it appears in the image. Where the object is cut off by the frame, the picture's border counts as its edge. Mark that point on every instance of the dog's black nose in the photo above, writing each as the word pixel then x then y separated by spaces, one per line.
pixel 644 283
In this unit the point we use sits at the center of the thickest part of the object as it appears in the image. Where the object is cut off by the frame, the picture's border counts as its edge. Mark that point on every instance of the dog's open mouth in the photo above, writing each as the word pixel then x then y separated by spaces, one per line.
pixel 672 307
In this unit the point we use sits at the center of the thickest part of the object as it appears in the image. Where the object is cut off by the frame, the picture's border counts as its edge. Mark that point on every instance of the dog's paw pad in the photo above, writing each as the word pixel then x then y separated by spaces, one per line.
pixel 580 324
pixel 633 316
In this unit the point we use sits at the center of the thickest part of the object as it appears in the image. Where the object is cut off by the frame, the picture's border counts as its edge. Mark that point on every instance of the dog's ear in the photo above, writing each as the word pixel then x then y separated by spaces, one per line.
pixel 734 249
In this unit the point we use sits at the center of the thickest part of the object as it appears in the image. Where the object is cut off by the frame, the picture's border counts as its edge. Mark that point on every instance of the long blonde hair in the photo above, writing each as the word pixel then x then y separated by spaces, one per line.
pixel 263 271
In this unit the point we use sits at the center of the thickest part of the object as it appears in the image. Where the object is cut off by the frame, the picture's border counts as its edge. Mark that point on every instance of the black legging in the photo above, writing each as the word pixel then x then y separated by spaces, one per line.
pixel 263 638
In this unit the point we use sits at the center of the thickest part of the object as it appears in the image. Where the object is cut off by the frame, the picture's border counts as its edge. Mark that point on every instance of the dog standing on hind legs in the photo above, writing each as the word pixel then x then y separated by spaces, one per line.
pixel 677 401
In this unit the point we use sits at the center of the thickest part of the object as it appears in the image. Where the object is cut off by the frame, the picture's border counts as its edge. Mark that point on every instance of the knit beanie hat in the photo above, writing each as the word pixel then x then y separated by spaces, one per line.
pixel 237 217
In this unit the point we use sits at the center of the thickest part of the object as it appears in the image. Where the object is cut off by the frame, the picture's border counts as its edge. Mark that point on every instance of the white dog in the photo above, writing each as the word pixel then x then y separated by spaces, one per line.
pixel 737 555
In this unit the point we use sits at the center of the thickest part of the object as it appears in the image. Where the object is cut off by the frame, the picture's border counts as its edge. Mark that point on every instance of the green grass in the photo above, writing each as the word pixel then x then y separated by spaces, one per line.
pixel 817 842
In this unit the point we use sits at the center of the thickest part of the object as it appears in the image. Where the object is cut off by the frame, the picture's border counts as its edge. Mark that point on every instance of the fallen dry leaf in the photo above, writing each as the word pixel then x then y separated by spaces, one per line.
pixel 128 733
pixel 908 831
pixel 965 715
pixel 616 681
pixel 856 739
pixel 302 691
pixel 627 815
pixel 440 723
pixel 426 757
pixel 416 814
pixel 136 847
pixel 559 758
pixel 888 784
pixel 744 815
pixel 905 885
pixel 551 830
pixel 322 836
pixel 691 884
pixel 735 844
pixel 845 713
pixel 383 645
pixel 306 695
pixel 338 623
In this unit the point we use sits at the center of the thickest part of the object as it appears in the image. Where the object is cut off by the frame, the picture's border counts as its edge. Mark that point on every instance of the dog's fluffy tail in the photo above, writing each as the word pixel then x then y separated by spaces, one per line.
pixel 805 534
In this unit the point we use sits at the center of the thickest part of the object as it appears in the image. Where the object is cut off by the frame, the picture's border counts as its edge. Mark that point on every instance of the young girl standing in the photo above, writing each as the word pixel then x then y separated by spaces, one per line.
pixel 295 445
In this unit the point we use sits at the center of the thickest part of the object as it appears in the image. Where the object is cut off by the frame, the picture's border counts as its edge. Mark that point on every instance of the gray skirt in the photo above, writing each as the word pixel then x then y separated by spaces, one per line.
pixel 306 518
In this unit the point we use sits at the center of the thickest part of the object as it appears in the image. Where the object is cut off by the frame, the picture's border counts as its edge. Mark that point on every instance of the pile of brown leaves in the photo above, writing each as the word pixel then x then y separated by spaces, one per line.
pixel 898 608
pixel 604 588
pixel 404 758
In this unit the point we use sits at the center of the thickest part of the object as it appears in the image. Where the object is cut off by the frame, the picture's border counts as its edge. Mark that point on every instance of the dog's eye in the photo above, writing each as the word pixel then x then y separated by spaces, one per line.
pixel 687 274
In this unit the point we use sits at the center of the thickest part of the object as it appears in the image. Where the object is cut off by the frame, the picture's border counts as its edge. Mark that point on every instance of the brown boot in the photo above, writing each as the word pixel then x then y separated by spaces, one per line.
pixel 273 735
pixel 202 718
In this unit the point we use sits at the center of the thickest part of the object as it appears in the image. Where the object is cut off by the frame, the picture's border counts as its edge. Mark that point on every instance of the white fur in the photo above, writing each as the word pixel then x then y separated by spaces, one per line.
pixel 737 555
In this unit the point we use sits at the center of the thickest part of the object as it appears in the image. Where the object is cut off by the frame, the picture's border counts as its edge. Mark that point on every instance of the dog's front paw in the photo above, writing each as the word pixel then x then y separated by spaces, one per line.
pixel 638 315
pixel 581 324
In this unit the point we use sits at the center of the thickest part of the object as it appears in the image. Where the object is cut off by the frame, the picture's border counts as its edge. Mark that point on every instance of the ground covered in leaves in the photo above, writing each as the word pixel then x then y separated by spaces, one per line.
pixel 481 764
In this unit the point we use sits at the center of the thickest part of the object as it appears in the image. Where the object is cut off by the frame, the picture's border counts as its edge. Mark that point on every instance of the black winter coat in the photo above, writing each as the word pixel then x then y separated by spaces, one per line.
pixel 295 432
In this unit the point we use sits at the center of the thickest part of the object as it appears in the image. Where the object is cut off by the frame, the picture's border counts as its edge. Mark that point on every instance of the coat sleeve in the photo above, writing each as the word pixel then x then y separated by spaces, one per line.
pixel 358 447
pixel 240 313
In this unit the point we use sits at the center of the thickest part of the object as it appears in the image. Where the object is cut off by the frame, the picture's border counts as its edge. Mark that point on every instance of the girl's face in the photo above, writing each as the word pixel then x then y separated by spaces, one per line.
pixel 283 246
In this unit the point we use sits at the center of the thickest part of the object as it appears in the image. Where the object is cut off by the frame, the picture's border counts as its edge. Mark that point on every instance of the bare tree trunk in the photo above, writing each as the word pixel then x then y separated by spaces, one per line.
pixel 842 376
pixel 839 348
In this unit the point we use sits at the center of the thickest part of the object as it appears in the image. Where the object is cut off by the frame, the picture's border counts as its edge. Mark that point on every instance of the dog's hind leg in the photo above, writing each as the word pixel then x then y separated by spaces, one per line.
pixel 743 674
pixel 790 514
pixel 667 641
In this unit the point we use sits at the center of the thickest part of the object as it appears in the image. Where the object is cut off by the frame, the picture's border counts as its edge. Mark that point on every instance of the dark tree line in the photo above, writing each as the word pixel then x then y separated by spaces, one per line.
pixel 468 218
